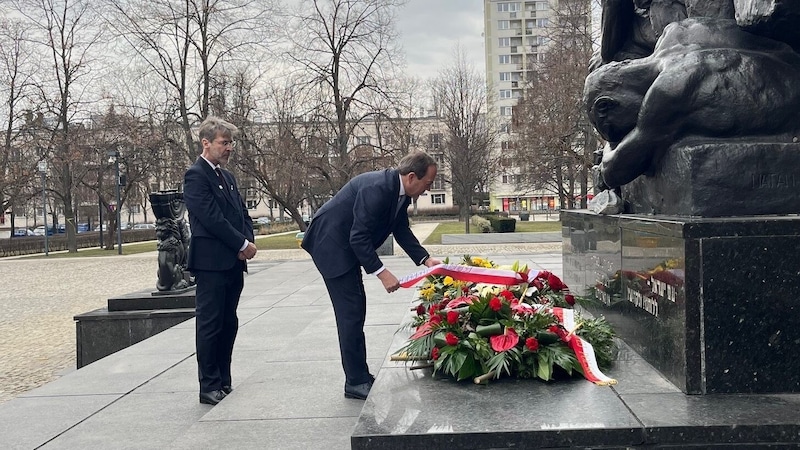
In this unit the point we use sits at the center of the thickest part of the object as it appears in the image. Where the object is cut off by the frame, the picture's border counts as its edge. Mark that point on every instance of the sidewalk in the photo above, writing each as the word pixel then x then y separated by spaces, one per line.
pixel 288 379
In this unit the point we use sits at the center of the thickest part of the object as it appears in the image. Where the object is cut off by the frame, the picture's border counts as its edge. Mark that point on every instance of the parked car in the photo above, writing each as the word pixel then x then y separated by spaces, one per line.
pixel 263 220
pixel 18 232
pixel 39 231
pixel 144 226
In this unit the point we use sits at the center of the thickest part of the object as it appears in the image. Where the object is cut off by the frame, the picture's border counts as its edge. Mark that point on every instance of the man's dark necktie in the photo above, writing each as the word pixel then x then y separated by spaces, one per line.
pixel 400 202
pixel 222 180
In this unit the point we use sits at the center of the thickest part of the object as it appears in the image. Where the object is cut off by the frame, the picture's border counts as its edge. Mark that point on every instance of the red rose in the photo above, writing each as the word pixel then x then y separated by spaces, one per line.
pixel 435 319
pixel 452 317
pixel 537 283
pixel 508 295
pixel 532 344
pixel 555 283
pixel 435 353
pixel 570 299
pixel 421 310
pixel 433 308
pixel 495 304
pixel 505 341
pixel 451 339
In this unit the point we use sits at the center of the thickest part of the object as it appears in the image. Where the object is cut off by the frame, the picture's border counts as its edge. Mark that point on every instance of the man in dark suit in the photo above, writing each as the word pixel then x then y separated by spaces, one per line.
pixel 221 242
pixel 342 239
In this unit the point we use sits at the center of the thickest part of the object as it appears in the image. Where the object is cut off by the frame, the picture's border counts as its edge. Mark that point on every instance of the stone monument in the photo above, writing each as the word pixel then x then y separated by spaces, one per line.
pixel 699 102
pixel 173 235
pixel 136 316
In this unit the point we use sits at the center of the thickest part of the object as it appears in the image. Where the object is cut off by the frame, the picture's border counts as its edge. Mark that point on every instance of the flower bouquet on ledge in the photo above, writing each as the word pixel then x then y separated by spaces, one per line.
pixel 477 321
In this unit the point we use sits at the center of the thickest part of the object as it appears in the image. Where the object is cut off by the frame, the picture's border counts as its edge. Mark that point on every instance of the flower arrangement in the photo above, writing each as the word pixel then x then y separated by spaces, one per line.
pixel 527 329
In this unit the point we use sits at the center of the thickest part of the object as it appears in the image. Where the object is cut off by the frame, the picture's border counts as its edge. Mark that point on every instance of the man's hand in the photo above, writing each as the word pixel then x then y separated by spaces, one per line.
pixel 390 282
pixel 430 262
pixel 249 252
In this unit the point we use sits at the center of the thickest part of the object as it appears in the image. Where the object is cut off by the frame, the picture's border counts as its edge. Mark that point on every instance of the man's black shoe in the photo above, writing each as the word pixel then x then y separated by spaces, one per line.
pixel 211 398
pixel 227 389
pixel 358 391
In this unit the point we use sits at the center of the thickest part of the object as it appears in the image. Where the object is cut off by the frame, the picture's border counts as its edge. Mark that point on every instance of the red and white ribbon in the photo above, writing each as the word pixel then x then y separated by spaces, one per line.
pixel 583 350
pixel 459 272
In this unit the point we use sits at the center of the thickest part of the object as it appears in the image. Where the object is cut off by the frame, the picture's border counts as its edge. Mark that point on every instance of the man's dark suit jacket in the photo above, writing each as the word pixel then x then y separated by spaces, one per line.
pixel 346 230
pixel 218 219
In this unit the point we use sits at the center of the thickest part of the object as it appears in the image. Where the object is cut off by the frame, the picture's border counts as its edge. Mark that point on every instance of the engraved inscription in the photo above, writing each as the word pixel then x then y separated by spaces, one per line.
pixel 773 181
pixel 642 301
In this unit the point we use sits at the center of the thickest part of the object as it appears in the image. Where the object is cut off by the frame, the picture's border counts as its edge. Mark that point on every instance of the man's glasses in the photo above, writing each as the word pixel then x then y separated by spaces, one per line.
pixel 232 144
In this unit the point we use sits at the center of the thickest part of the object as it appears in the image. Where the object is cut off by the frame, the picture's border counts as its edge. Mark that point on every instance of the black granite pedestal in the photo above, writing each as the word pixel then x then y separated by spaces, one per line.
pixel 411 409
pixel 129 319
pixel 712 303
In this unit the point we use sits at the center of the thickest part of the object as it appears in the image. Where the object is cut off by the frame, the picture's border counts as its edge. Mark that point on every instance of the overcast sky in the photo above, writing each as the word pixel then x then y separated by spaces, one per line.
pixel 430 30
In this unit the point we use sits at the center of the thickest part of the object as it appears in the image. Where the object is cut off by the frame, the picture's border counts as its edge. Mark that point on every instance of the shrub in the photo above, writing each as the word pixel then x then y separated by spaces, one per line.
pixel 481 223
pixel 501 224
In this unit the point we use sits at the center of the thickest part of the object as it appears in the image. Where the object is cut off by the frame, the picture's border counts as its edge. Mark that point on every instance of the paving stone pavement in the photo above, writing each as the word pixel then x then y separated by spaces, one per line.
pixel 41 297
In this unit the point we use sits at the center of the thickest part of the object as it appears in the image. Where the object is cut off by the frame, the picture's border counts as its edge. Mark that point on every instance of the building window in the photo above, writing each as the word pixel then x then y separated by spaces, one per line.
pixel 508 7
pixel 505 179
pixel 438 184
pixel 541 6
pixel 505 93
pixel 503 24
pixel 505 76
pixel 542 23
pixel 505 42
pixel 541 40
pixel 437 199
pixel 505 128
pixel 505 59
pixel 362 140
pixel 507 145
pixel 434 140
pixel 439 158
pixel 251 204
pixel 505 110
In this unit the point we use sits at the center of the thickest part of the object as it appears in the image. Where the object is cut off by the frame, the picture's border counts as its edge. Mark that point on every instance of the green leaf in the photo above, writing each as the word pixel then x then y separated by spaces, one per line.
pixel 545 369
pixel 489 330
pixel 470 369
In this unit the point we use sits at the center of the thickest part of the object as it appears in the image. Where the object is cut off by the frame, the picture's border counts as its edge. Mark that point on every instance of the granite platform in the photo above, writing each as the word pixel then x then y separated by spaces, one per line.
pixel 288 391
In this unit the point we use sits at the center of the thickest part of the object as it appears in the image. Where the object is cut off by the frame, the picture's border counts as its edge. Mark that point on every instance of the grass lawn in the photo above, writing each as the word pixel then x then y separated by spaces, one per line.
pixel 458 228
pixel 289 240
pixel 263 242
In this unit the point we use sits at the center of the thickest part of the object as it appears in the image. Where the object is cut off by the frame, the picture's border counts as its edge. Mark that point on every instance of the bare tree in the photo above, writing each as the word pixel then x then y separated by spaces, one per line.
pixel 346 49
pixel 17 166
pixel 280 155
pixel 460 97
pixel 187 44
pixel 62 30
pixel 554 144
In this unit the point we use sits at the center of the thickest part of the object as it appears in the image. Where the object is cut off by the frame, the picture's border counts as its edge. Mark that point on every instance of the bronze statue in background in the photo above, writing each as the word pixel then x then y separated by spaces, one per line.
pixel 698 101
pixel 173 235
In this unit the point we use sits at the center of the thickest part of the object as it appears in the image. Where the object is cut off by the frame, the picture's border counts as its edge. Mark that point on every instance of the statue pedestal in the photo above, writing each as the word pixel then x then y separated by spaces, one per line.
pixel 712 303
pixel 129 319
pixel 717 180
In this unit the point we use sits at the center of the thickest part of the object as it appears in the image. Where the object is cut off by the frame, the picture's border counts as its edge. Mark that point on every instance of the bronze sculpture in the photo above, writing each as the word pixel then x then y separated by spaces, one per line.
pixel 173 235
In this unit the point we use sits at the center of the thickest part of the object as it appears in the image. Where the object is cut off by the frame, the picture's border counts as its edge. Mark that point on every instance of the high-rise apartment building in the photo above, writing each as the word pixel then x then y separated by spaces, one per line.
pixel 515 40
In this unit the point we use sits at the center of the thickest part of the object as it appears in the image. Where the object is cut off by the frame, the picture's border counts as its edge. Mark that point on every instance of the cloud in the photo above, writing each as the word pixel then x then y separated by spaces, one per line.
pixel 431 29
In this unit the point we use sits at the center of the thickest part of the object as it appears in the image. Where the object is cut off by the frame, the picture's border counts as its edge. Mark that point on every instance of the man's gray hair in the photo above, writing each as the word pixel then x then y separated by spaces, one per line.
pixel 417 162
pixel 213 126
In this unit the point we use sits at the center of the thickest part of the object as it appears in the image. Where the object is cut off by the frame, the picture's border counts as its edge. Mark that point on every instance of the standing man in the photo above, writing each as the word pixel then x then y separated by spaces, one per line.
pixel 342 239
pixel 222 241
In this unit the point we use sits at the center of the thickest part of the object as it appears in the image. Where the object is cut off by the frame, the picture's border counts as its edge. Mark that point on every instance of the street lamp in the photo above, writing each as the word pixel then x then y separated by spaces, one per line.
pixel 43 171
pixel 113 157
